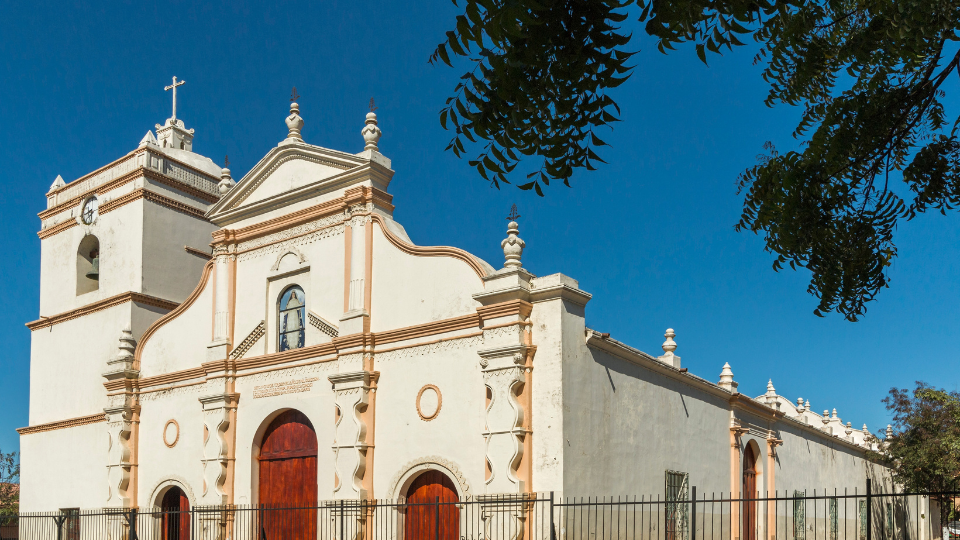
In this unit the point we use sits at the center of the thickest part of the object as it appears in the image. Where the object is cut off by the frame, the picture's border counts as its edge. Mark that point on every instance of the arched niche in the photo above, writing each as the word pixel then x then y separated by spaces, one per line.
pixel 88 265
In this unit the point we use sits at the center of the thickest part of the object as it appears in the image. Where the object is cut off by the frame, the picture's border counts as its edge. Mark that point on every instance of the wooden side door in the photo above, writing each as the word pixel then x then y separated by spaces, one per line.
pixel 749 494
pixel 421 511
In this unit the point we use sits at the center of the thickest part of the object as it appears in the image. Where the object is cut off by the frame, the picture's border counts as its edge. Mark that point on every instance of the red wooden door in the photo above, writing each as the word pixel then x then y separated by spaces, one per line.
pixel 749 494
pixel 176 515
pixel 288 479
pixel 422 508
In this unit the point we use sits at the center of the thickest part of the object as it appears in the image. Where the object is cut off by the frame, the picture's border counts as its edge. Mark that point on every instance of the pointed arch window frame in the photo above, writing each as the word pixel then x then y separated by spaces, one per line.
pixel 298 334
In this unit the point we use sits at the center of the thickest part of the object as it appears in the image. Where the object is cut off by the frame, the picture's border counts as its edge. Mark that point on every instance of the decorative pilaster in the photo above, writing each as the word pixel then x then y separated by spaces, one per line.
pixel 219 417
pixel 123 421
pixel 351 445
pixel 504 376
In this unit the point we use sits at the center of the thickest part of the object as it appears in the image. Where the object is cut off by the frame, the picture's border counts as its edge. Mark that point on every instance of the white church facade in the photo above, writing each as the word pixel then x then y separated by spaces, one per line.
pixel 281 340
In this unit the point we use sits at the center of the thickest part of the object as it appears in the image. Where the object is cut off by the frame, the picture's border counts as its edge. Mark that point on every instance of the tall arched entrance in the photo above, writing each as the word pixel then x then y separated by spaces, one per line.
pixel 749 493
pixel 288 478
pixel 422 508
pixel 175 521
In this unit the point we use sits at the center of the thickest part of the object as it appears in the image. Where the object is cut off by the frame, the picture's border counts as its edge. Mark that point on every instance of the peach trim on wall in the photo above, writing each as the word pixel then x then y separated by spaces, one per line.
pixel 99 190
pixel 430 251
pixel 56 229
pixel 207 268
pixel 347 250
pixel 106 303
pixel 63 424
pixel 154 198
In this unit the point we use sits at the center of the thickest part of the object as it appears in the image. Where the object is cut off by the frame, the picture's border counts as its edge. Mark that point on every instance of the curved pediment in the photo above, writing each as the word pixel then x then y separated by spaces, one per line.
pixel 294 172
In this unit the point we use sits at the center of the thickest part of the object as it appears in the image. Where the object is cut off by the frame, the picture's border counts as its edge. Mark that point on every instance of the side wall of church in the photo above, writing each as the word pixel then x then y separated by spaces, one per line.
pixel 63 468
pixel 181 343
pixel 67 361
pixel 625 426
pixel 169 271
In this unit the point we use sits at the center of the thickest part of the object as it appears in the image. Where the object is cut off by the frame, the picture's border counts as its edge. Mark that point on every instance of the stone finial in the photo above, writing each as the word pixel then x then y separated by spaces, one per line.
pixel 834 416
pixel 371 133
pixel 800 404
pixel 226 181
pixel 806 405
pixel 294 122
pixel 826 417
pixel 866 432
pixel 57 184
pixel 512 246
pixel 771 395
pixel 669 345
pixel 149 139
pixel 849 429
pixel 126 346
pixel 889 431
pixel 726 378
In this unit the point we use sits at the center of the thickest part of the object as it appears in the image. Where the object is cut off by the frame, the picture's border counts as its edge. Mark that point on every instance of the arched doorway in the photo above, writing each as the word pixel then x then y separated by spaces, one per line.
pixel 422 507
pixel 175 520
pixel 749 493
pixel 288 478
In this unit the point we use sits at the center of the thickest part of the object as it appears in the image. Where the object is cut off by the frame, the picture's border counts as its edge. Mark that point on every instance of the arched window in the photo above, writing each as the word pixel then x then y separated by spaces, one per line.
pixel 292 316
pixel 88 265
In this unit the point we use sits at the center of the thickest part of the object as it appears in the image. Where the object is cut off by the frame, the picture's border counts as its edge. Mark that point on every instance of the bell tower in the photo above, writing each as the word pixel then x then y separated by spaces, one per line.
pixel 120 247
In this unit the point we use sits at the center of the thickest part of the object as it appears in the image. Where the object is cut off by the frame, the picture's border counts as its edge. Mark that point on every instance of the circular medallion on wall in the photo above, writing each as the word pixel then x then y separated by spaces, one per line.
pixel 171 433
pixel 429 402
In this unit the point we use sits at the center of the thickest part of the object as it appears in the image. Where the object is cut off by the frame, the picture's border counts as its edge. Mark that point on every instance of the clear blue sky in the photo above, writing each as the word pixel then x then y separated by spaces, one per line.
pixel 650 235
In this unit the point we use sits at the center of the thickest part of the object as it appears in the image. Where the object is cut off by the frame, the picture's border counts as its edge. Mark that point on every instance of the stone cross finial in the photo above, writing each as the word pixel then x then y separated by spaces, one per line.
pixel 726 378
pixel 226 181
pixel 512 246
pixel 294 122
pixel 174 88
pixel 669 345
pixel 370 132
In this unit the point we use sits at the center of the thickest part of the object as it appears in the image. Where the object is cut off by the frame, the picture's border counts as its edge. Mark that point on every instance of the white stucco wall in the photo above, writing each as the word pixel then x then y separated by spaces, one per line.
pixel 64 468
pixel 169 271
pixel 181 343
pixel 410 290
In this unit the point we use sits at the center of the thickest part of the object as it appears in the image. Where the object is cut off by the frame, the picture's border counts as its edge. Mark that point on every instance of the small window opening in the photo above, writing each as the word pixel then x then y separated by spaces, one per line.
pixel 88 265
pixel 292 313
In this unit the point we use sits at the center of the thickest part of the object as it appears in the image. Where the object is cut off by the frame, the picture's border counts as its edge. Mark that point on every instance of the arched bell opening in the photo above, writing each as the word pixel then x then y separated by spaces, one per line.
pixel 88 265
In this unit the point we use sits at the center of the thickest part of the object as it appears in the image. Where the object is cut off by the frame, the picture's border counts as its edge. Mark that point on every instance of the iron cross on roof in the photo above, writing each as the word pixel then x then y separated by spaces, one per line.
pixel 294 95
pixel 513 214
pixel 174 88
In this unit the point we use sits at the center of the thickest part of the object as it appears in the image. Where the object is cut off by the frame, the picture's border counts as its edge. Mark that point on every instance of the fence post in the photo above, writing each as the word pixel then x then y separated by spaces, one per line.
pixel 59 521
pixel 343 519
pixel 436 533
pixel 693 513
pixel 869 512
pixel 552 533
pixel 133 524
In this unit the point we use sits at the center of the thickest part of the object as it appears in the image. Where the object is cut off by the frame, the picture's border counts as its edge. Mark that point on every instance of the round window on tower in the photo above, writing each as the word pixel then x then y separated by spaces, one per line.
pixel 90 211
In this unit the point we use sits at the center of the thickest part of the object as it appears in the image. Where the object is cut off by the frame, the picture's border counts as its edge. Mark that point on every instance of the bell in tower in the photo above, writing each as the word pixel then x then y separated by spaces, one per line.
pixel 94 272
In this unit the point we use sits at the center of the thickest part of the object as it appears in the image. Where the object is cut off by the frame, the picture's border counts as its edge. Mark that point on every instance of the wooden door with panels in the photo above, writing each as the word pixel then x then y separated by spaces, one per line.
pixel 422 508
pixel 288 479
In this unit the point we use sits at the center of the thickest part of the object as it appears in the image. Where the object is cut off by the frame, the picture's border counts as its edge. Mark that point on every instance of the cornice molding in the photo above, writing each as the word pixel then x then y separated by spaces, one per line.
pixel 505 309
pixel 106 303
pixel 63 424
pixel 99 190
pixel 180 186
pixel 430 251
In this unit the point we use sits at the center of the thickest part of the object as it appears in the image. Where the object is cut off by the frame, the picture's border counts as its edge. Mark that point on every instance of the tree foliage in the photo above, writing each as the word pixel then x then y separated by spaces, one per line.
pixel 925 447
pixel 9 483
pixel 867 73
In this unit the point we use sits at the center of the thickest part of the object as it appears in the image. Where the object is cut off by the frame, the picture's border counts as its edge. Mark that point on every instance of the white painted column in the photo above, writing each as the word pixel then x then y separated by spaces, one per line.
pixel 221 297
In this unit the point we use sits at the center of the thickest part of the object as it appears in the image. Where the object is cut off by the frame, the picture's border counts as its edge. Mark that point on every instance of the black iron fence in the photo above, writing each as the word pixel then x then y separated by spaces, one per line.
pixel 815 515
